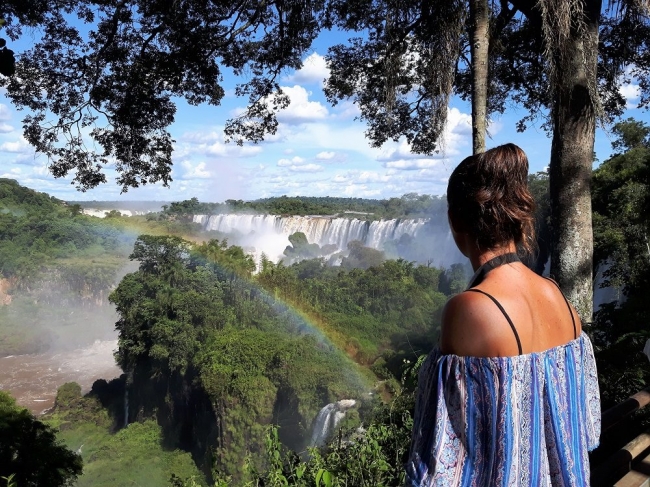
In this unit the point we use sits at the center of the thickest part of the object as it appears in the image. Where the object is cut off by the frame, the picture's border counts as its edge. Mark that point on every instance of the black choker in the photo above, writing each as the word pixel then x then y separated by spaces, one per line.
pixel 493 263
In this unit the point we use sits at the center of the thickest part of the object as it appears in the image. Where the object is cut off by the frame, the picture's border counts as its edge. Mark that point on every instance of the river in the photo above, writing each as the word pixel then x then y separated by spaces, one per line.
pixel 34 379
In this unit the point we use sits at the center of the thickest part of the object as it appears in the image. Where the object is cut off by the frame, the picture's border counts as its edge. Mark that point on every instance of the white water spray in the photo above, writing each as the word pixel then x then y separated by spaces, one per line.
pixel 270 233
pixel 328 419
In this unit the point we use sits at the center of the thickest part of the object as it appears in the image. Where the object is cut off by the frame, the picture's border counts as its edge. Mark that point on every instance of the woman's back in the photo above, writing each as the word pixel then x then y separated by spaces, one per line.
pixel 474 325
pixel 511 397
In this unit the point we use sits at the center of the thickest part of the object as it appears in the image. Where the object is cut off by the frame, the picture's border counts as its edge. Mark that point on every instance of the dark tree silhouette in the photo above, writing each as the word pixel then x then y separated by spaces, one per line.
pixel 30 451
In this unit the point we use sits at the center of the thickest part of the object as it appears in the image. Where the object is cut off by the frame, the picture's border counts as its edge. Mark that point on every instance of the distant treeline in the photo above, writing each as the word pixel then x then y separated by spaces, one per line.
pixel 411 205
pixel 140 206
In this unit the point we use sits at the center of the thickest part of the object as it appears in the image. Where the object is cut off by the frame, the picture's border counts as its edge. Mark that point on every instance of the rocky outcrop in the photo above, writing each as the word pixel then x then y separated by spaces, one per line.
pixel 5 297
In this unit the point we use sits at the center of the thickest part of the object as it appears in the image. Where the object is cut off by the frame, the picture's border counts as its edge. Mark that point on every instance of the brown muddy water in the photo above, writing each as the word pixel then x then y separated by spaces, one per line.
pixel 34 379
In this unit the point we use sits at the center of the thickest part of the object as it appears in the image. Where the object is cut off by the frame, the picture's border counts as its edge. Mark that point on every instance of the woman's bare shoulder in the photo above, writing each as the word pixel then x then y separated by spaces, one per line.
pixel 468 326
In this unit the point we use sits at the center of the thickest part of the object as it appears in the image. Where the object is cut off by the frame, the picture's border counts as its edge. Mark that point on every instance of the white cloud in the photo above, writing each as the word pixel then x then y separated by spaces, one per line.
pixel 314 70
pixel 392 182
pixel 22 158
pixel 456 136
pixel 300 109
pixel 325 155
pixel 439 175
pixel 332 136
pixel 211 143
pixel 298 164
pixel 631 92
pixel 399 153
pixel 295 161
pixel 198 137
pixel 306 168
pixel 5 112
pixel 360 191
pixel 458 122
pixel 43 171
pixel 372 177
pixel 347 110
pixel 411 164
pixel 20 146
pixel 192 171
pixel 361 177
pixel 5 128
pixel 231 150
pixel 493 128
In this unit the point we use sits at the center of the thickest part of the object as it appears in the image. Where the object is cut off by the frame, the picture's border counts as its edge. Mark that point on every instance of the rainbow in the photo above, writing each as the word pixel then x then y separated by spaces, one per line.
pixel 299 319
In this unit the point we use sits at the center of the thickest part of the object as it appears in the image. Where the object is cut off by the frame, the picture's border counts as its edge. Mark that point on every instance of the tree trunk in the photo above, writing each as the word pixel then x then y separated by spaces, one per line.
pixel 572 155
pixel 479 34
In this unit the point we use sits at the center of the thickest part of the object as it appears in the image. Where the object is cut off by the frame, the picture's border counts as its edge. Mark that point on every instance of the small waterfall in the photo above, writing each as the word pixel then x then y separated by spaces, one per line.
pixel 327 420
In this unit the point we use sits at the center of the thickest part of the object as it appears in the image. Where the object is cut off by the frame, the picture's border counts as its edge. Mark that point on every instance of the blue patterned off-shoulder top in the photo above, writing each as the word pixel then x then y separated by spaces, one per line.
pixel 507 421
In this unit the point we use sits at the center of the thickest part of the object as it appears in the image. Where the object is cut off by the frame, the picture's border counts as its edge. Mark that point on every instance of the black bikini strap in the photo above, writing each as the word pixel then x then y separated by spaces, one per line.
pixel 514 330
pixel 573 320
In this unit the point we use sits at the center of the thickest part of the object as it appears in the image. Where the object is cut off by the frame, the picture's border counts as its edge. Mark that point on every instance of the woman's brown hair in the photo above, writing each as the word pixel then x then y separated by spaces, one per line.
pixel 488 195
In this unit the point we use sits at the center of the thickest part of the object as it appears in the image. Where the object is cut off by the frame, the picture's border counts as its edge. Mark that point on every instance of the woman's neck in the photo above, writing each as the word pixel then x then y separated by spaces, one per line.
pixel 478 257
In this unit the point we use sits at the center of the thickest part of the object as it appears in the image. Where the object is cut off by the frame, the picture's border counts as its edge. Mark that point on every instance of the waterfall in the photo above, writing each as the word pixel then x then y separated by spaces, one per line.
pixel 270 233
pixel 327 420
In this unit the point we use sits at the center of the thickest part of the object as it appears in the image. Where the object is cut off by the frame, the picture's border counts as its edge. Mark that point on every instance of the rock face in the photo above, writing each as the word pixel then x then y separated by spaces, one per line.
pixel 5 297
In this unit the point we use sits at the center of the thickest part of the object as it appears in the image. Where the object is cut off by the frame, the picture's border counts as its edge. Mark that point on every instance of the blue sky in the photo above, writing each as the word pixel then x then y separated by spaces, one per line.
pixel 319 150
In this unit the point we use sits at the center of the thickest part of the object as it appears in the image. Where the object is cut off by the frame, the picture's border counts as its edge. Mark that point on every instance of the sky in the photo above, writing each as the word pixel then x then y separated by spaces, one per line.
pixel 318 150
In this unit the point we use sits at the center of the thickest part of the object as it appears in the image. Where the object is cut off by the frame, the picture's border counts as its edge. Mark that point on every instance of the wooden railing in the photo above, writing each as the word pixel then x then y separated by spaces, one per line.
pixel 630 465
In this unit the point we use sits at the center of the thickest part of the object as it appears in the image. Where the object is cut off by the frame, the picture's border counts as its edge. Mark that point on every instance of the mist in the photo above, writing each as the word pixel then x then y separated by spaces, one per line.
pixel 56 332
pixel 424 240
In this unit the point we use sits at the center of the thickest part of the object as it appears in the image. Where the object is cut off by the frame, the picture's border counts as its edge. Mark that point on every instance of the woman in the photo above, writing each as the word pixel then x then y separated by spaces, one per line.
pixel 511 397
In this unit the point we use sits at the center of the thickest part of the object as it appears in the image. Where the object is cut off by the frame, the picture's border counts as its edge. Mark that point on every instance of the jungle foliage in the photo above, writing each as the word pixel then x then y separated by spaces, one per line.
pixel 30 451
pixel 621 202
pixel 92 425
pixel 36 229
pixel 198 332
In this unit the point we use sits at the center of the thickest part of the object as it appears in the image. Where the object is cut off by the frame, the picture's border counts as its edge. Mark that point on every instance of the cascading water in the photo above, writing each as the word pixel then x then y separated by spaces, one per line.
pixel 269 233
pixel 327 420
